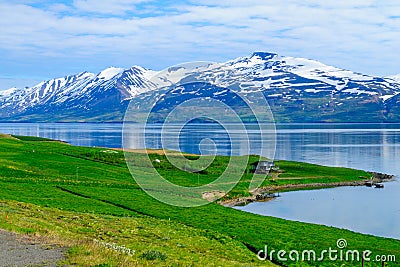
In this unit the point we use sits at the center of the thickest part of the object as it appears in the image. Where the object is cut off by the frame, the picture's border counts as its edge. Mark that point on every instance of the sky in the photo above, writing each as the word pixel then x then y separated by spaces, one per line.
pixel 40 40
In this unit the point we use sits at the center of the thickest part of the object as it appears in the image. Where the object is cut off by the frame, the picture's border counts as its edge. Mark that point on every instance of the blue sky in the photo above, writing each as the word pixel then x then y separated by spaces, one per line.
pixel 46 39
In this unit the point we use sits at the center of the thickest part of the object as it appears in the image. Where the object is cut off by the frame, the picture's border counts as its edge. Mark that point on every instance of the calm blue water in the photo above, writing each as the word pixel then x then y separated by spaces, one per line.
pixel 372 147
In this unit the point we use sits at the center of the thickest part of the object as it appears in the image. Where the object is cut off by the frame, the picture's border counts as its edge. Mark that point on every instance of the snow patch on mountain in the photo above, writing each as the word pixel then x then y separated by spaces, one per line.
pixel 8 91
pixel 394 77
pixel 358 91
pixel 387 97
pixel 110 73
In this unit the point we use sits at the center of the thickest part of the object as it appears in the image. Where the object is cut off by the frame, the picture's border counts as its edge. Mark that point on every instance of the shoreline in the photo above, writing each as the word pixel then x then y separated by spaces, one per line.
pixel 268 193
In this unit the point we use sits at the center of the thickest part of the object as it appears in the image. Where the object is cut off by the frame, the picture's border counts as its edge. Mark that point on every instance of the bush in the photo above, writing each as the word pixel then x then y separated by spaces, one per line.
pixel 152 255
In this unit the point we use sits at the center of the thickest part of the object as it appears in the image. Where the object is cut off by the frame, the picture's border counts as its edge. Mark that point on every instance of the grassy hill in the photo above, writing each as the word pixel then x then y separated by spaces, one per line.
pixel 74 196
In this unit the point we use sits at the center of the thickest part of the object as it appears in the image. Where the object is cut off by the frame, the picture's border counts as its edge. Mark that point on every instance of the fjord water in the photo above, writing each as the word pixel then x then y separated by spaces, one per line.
pixel 371 147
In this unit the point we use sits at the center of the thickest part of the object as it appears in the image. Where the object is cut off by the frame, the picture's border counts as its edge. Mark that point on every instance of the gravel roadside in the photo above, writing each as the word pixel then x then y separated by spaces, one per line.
pixel 19 250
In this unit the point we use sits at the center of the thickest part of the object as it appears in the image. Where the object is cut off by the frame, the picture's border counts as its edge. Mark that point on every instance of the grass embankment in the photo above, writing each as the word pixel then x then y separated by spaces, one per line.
pixel 149 240
pixel 77 194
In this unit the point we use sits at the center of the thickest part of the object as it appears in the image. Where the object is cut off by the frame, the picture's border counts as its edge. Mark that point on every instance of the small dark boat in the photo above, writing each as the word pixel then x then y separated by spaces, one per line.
pixel 378 185
pixel 368 184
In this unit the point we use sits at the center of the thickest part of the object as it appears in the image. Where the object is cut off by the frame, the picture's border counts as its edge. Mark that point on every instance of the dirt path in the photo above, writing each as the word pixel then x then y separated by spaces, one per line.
pixel 19 250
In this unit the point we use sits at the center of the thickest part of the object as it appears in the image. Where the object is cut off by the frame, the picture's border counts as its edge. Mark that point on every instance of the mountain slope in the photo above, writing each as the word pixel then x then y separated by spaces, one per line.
pixel 306 90
pixel 297 89
pixel 81 97
pixel 394 77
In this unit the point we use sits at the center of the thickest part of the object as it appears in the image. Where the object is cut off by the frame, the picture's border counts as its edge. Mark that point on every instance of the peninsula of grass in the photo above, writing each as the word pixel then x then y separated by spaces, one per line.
pixel 85 199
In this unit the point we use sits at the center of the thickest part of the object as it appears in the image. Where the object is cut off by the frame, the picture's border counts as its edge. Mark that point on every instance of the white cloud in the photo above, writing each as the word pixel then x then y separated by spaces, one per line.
pixel 359 34
pixel 117 7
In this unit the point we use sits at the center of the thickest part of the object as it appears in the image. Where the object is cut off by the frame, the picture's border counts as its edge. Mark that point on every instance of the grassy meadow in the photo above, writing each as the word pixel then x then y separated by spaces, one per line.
pixel 72 196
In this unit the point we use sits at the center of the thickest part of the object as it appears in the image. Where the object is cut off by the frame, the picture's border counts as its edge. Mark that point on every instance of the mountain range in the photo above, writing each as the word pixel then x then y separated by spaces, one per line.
pixel 297 90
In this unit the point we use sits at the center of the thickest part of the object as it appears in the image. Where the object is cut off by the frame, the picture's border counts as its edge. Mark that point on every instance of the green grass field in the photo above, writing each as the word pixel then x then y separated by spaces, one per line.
pixel 73 195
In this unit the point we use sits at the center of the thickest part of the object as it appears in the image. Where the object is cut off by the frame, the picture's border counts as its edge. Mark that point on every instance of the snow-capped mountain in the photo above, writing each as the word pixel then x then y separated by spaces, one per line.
pixel 86 94
pixel 291 77
pixel 297 89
